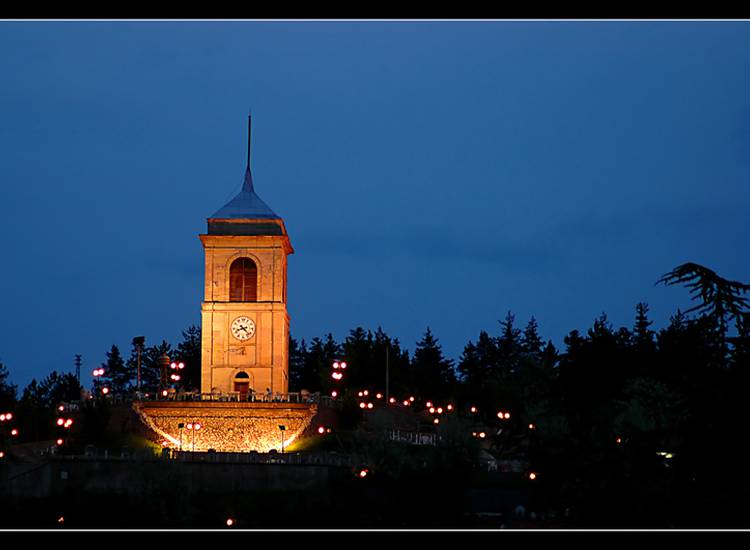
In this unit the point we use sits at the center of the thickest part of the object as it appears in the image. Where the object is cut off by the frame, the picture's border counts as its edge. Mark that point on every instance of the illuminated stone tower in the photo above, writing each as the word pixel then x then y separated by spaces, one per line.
pixel 245 341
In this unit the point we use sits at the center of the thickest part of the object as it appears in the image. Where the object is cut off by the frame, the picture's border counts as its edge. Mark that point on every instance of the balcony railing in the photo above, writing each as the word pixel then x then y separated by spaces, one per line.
pixel 236 397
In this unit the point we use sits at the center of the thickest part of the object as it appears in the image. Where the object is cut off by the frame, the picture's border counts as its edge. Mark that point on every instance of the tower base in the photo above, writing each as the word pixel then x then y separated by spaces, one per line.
pixel 226 426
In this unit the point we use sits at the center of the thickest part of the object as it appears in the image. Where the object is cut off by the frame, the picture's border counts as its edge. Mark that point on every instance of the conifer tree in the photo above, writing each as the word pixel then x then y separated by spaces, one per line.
pixel 189 352
pixel 643 335
pixel 116 375
pixel 150 367
pixel 8 391
pixel 434 373
pixel 531 342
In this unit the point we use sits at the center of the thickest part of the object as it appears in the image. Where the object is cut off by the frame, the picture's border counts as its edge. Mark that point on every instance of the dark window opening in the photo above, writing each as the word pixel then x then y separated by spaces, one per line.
pixel 243 281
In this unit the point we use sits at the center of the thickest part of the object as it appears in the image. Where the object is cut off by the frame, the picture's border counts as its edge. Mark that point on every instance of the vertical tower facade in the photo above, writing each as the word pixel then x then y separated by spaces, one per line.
pixel 244 319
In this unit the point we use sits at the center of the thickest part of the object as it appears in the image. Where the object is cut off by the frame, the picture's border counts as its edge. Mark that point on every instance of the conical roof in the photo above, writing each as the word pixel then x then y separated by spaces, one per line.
pixel 247 205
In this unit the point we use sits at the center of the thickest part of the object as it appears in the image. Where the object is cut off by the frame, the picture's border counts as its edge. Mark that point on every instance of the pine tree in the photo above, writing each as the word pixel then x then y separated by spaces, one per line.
pixel 643 335
pixel 357 349
pixel 531 342
pixel 116 374
pixel 151 368
pixel 435 376
pixel 189 352
pixel 299 377
pixel 7 391
pixel 399 375
pixel 509 348
pixel 318 362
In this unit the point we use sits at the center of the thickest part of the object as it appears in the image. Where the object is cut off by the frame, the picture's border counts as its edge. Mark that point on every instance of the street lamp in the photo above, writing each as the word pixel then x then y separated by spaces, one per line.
pixel 282 429
pixel 138 343
pixel 97 373
pixel 193 427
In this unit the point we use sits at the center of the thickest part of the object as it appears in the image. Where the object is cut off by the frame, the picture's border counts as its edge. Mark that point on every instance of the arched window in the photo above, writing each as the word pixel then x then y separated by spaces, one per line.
pixel 243 281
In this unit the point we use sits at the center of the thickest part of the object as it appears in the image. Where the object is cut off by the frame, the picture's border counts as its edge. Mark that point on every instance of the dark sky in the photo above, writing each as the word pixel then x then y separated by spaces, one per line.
pixel 429 173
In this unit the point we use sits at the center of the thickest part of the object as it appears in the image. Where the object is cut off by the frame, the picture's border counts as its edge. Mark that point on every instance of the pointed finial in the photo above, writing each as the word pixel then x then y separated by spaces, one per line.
pixel 249 127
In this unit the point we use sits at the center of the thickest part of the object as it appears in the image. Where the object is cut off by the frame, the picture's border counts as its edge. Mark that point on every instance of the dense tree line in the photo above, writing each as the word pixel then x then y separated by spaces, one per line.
pixel 121 375
pixel 637 423
pixel 643 423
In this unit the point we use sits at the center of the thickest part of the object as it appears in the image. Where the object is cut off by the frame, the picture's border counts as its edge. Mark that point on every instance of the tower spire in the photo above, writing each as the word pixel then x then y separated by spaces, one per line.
pixel 248 184
pixel 249 134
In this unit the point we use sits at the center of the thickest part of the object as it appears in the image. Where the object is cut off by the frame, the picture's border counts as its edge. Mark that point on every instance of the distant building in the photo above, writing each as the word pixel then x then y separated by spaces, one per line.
pixel 245 338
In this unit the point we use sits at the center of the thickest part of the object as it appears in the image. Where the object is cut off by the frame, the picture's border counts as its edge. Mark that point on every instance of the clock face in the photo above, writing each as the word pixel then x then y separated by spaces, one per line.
pixel 243 328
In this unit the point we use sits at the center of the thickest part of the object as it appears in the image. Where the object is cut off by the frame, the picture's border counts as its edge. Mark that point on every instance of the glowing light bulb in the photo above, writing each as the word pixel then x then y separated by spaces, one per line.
pixel 59 441
pixel 473 409
pixel 60 421
pixel 321 430
pixel 436 421
pixel 532 476
pixel 230 522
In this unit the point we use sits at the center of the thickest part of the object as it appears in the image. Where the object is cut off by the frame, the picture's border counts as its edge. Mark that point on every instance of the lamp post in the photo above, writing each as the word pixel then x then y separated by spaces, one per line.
pixel 387 381
pixel 193 427
pixel 196 427
pixel 138 342
pixel 180 426
pixel 163 364
pixel 282 429
pixel 96 373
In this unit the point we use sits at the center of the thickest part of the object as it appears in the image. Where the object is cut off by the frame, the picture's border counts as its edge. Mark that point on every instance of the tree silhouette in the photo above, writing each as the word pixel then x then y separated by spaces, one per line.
pixel 721 299
pixel 433 372
pixel 189 352
pixel 7 390
pixel 116 373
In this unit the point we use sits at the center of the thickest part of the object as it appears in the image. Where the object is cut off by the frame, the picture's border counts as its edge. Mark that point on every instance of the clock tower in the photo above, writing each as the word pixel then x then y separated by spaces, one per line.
pixel 245 324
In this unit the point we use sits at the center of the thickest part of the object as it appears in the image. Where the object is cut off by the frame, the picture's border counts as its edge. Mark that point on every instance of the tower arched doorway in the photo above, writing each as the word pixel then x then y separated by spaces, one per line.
pixel 242 385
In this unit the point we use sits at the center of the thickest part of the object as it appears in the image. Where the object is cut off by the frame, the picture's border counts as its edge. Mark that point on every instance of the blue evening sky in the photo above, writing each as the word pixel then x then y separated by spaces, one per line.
pixel 429 173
